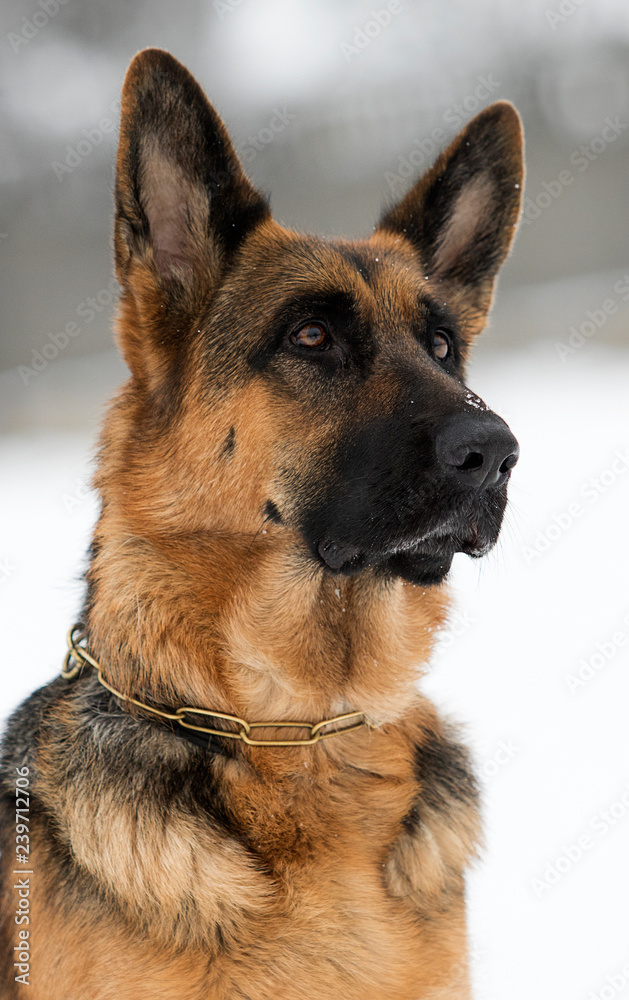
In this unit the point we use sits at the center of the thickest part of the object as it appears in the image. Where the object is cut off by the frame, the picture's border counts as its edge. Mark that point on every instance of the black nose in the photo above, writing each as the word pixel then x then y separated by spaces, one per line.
pixel 479 450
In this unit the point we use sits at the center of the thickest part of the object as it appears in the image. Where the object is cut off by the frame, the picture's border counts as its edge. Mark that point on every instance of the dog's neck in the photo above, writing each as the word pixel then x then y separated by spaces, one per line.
pixel 248 625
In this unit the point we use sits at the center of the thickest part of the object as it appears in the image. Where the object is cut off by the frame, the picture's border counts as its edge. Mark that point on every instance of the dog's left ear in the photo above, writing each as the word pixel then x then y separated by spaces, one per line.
pixel 183 208
pixel 183 202
pixel 462 214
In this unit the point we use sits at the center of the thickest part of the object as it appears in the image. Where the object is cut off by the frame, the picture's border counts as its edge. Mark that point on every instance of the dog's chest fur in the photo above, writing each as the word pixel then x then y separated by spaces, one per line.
pixel 286 880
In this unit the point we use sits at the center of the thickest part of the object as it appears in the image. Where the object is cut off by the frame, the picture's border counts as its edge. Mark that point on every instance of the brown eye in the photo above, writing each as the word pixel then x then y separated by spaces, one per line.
pixel 441 345
pixel 310 335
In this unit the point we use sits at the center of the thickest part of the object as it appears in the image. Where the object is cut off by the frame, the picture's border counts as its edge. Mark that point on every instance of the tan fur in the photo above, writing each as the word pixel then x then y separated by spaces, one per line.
pixel 389 907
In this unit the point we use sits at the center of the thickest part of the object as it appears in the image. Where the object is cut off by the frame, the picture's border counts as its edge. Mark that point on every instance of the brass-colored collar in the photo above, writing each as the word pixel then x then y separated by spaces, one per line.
pixel 78 657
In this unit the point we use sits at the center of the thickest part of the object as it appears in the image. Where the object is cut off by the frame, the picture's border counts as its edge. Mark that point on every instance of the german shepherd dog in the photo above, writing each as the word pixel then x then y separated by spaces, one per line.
pixel 285 479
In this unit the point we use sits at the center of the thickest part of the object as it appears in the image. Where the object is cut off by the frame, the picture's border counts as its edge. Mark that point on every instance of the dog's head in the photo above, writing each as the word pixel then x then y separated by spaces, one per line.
pixel 287 383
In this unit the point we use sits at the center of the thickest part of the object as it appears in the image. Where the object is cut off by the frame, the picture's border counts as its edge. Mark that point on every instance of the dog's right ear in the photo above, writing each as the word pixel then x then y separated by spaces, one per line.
pixel 462 214
pixel 183 202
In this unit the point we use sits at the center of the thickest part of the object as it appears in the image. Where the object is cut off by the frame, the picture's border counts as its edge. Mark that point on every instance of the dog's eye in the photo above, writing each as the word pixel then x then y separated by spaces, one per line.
pixel 441 345
pixel 310 335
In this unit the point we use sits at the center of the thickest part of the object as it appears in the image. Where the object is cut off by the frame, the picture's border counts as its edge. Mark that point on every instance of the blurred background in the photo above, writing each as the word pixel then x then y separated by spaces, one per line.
pixel 335 107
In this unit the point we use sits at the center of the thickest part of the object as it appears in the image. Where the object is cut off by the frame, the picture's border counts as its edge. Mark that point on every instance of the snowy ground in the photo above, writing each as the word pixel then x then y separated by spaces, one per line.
pixel 549 903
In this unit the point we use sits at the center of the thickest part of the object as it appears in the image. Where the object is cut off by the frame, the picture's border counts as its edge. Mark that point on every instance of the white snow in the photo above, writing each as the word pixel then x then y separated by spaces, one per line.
pixel 554 761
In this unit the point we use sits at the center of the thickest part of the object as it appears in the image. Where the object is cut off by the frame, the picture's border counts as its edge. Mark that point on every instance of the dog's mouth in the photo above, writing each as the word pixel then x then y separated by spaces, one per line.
pixel 432 553
pixel 339 557
pixel 413 531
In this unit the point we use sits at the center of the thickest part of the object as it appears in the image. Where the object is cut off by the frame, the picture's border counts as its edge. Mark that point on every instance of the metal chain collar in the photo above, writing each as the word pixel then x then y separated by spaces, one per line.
pixel 78 657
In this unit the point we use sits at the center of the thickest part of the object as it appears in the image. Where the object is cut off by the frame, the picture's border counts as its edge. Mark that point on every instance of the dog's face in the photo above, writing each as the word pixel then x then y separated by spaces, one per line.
pixel 323 380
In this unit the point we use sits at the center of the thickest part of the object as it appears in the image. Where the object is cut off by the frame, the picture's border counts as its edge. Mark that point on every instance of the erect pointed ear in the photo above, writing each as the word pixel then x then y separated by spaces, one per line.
pixel 462 214
pixel 183 202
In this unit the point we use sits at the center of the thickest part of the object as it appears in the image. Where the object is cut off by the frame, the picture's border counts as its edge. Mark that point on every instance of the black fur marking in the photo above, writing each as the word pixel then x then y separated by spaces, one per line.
pixel 272 513
pixel 234 224
pixel 339 311
pixel 230 443
pixel 105 749
pixel 419 568
pixel 165 402
pixel 357 260
pixel 138 757
pixel 444 772
pixel 432 316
